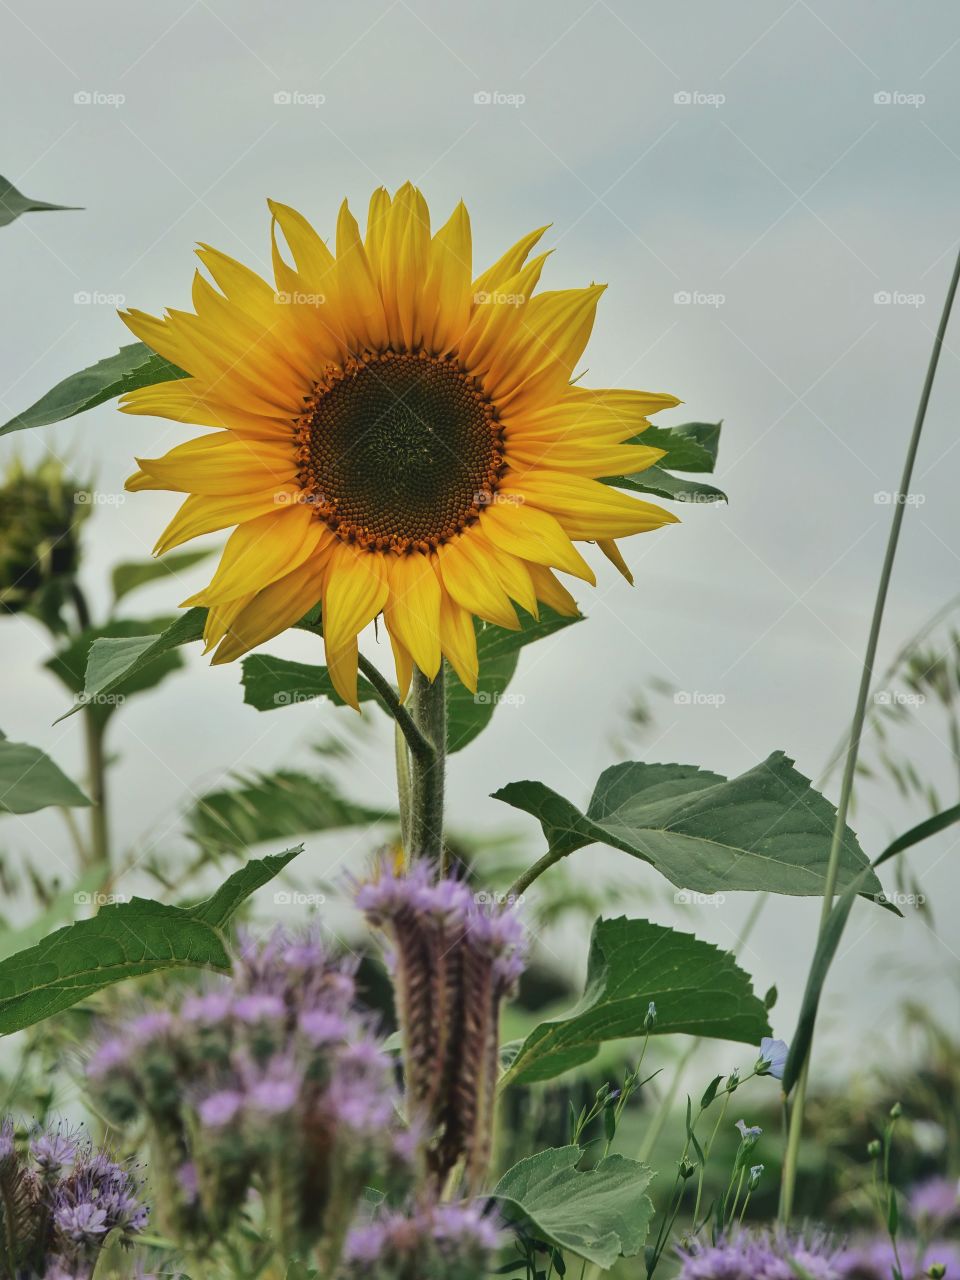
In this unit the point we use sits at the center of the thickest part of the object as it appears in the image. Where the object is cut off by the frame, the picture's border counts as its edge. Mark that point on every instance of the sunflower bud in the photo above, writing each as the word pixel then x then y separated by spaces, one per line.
pixel 41 510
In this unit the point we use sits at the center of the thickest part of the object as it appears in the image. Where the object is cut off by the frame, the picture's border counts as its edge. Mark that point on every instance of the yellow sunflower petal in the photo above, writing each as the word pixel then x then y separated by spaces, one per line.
pixel 447 294
pixel 615 411
pixel 528 531
pixel 510 572
pixel 377 215
pixel 342 665
pixel 357 286
pixel 587 509
pixel 468 578
pixel 412 609
pixel 551 592
pixel 354 592
pixel 218 465
pixel 221 617
pixel 199 514
pixel 406 247
pixel 271 611
pixel 458 640
pixel 612 552
pixel 581 458
pixel 403 663
pixel 186 401
pixel 509 264
pixel 262 551
pixel 497 317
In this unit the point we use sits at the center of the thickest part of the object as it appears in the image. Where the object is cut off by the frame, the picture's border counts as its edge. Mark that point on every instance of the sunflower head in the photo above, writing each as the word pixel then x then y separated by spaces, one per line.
pixel 41 510
pixel 390 434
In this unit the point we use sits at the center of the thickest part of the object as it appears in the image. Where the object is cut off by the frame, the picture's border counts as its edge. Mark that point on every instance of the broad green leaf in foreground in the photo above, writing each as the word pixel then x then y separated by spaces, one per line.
pixel 600 1214
pixel 134 365
pixel 499 651
pixel 269 683
pixel 273 806
pixel 130 575
pixel 698 989
pixel 664 484
pixel 126 940
pixel 766 830
pixel 13 203
pixel 29 780
pixel 691 446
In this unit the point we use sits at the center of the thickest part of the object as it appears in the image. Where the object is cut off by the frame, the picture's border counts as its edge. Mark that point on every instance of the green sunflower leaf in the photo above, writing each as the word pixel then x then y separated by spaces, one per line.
pixel 29 780
pixel 125 940
pixel 270 683
pixel 120 659
pixel 130 575
pixel 134 365
pixel 698 989
pixel 691 446
pixel 274 806
pixel 600 1214
pixel 664 485
pixel 498 649
pixel 13 203
pixel 766 830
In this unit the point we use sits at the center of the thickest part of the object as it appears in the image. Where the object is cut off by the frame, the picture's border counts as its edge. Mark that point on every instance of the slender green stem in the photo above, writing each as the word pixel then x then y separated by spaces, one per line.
pixel 99 850
pixel 402 757
pixel 428 706
pixel 788 1184
pixel 420 747
pixel 534 872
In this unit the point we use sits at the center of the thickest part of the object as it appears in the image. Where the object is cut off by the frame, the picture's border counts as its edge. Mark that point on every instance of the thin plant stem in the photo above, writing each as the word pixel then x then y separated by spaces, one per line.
pixel 428 706
pixel 420 746
pixel 99 850
pixel 788 1184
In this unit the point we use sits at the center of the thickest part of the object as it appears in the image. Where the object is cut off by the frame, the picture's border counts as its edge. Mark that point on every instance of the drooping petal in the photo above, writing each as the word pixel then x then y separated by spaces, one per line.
pixel 262 551
pixel 458 640
pixel 613 554
pixel 552 592
pixel 272 610
pixel 412 609
pixel 587 509
pixel 466 576
pixel 199 514
pixel 533 534
pixel 354 592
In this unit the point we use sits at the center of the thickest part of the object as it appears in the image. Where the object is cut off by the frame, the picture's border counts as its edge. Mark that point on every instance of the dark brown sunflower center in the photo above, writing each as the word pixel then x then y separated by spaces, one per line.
pixel 399 451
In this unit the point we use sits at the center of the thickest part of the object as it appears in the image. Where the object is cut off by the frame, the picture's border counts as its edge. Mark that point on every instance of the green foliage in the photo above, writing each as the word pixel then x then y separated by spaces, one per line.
pixel 698 990
pixel 128 576
pixel 134 366
pixel 766 830
pixel 498 649
pixel 273 806
pixel 600 1214
pixel 13 203
pixel 269 683
pixel 91 653
pixel 29 780
pixel 690 447
pixel 125 940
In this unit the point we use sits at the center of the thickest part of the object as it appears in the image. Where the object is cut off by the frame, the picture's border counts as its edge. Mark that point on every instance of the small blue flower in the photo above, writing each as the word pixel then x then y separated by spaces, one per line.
pixel 773 1058
pixel 650 1020
pixel 749 1133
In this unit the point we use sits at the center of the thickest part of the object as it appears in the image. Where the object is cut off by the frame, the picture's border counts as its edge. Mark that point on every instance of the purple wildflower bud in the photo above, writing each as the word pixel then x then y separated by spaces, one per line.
pixel 460 1239
pixel 773 1058
pixel 207 1009
pixel 935 1202
pixel 319 1026
pixel 274 1095
pixel 259 1008
pixel 52 1149
pixel 150 1026
pixel 112 1055
pixel 188 1182
pixel 220 1108
pixel 81 1222
pixel 760 1256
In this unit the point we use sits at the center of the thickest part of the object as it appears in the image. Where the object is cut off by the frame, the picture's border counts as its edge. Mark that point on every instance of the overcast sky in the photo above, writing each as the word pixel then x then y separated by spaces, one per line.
pixel 752 179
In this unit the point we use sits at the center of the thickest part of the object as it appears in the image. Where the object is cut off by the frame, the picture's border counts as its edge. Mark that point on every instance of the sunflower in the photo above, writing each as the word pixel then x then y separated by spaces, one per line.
pixel 390 436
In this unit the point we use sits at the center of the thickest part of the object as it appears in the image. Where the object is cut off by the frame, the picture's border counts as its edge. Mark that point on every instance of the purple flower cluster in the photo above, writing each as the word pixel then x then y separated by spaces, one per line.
pixel 781 1256
pixel 935 1203
pixel 443 1242
pixel 455 956
pixel 60 1199
pixel 271 1078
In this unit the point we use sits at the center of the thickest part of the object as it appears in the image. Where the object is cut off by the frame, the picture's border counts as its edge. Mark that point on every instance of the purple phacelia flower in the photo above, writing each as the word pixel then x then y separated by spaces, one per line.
pixel 207 1009
pixel 876 1260
pixel 259 1007
pixel 444 1240
pixel 319 1026
pixel 53 1149
pixel 150 1026
pixel 81 1222
pixel 935 1202
pixel 112 1055
pixel 220 1108
pixel 761 1256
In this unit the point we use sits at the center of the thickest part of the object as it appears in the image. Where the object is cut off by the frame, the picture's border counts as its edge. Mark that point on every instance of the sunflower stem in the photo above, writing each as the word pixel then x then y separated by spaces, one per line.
pixel 791 1158
pixel 428 706
pixel 99 851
